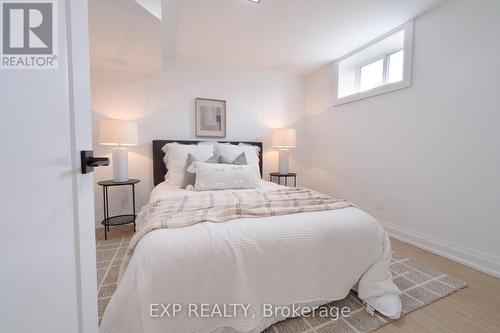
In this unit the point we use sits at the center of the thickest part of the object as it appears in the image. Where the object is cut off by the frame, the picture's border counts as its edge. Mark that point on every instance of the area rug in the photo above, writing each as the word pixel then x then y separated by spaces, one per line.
pixel 419 284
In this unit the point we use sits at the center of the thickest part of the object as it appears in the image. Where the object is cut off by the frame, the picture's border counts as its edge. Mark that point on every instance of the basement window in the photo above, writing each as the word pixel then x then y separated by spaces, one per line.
pixel 378 67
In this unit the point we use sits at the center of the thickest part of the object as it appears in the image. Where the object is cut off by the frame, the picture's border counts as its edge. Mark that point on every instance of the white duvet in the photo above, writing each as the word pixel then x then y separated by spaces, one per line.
pixel 307 258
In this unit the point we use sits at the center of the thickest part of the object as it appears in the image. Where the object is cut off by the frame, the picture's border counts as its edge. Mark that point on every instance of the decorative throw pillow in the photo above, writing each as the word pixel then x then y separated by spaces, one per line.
pixel 224 176
pixel 190 175
pixel 175 159
pixel 231 152
pixel 241 159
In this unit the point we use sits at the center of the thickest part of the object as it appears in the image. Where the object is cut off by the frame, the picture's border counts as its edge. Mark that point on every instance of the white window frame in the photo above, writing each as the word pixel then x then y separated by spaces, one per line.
pixel 388 65
pixel 386 87
pixel 366 63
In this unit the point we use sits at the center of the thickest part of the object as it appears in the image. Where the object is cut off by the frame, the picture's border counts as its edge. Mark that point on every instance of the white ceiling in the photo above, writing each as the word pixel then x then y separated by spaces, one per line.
pixel 296 35
pixel 152 6
pixel 291 35
pixel 124 36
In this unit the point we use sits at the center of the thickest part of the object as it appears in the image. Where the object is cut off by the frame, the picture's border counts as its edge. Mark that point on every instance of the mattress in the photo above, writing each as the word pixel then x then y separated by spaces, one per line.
pixel 305 259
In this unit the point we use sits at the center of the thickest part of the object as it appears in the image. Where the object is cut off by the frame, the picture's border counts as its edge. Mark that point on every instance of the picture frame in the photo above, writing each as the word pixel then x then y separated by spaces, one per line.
pixel 210 118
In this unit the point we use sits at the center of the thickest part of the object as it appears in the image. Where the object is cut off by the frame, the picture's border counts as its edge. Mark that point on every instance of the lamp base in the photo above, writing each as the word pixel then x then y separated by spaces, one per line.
pixel 284 161
pixel 120 164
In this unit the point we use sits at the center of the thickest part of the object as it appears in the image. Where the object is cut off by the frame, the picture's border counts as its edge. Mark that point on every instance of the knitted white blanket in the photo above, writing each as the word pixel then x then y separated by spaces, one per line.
pixel 308 258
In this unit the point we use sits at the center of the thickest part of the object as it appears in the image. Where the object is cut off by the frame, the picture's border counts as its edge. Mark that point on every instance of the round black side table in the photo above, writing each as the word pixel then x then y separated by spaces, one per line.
pixel 273 176
pixel 117 219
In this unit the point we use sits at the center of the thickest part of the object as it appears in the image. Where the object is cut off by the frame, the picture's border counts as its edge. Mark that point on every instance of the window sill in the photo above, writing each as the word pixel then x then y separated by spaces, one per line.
pixel 373 92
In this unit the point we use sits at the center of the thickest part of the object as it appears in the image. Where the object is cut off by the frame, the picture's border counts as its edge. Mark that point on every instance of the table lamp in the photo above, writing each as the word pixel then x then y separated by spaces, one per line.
pixel 284 139
pixel 120 133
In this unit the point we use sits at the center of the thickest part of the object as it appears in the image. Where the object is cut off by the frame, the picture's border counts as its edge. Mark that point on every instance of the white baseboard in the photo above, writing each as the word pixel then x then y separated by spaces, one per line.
pixel 479 260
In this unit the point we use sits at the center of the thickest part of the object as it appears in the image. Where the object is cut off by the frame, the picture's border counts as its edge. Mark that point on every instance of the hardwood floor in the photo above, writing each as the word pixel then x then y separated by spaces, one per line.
pixel 115 232
pixel 470 310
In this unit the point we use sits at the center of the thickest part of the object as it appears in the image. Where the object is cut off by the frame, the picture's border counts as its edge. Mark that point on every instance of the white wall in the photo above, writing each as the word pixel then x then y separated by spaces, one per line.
pixel 47 242
pixel 163 106
pixel 431 150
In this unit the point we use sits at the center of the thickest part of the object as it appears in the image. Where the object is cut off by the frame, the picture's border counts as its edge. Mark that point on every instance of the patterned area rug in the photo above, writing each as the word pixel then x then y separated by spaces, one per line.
pixel 420 286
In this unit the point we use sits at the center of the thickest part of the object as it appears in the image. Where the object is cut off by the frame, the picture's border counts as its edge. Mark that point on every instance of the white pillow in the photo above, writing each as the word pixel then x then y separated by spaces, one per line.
pixel 175 159
pixel 211 176
pixel 230 152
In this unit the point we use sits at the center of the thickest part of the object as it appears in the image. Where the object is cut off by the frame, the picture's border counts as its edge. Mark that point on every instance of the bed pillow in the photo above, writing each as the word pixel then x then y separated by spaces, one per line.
pixel 175 159
pixel 230 152
pixel 190 175
pixel 239 160
pixel 224 176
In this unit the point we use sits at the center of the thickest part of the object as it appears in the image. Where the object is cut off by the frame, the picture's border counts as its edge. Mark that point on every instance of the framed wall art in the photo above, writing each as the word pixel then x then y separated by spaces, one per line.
pixel 210 118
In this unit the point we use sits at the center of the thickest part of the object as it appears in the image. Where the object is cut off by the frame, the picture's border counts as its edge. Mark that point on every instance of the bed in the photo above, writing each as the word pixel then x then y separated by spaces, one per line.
pixel 237 275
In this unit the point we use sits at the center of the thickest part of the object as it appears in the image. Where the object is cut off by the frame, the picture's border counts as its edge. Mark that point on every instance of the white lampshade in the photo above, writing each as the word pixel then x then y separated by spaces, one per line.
pixel 118 132
pixel 284 138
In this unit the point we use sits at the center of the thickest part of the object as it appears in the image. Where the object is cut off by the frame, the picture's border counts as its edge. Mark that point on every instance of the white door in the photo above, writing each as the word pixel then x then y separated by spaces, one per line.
pixel 47 245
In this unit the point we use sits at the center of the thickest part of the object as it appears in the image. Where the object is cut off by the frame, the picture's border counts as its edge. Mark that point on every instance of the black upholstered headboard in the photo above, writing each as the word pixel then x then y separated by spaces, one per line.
pixel 159 168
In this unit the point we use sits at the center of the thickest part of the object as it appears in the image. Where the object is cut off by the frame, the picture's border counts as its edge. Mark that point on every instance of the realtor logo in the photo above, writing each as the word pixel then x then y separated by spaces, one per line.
pixel 28 34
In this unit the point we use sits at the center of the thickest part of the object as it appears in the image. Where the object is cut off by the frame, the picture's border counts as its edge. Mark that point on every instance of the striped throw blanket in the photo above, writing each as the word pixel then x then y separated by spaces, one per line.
pixel 190 208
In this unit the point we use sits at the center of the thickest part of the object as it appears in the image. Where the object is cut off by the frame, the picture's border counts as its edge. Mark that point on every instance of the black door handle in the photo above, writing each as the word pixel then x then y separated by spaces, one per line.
pixel 97 161
pixel 89 162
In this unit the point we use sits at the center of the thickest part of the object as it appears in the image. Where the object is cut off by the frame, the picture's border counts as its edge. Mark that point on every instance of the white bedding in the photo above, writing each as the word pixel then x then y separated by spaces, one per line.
pixel 307 258
pixel 163 190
